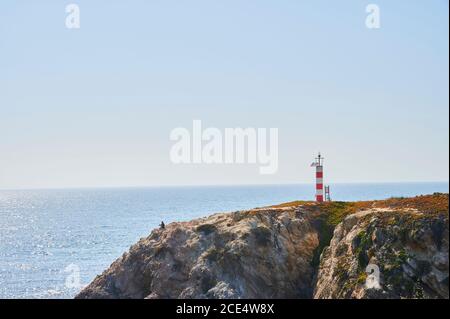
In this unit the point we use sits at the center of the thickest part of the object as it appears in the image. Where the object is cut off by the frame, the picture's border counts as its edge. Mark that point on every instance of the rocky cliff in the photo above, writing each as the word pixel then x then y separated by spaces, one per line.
pixel 294 250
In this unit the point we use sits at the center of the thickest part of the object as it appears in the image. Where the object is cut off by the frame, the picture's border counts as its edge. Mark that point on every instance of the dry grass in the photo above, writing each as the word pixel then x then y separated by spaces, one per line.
pixel 294 204
pixel 336 211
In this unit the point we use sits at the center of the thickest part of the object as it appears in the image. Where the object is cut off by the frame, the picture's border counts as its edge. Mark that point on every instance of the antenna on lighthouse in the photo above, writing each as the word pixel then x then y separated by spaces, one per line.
pixel 319 160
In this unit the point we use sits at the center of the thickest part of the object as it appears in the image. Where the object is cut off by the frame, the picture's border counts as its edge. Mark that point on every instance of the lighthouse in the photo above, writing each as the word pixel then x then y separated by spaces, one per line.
pixel 318 164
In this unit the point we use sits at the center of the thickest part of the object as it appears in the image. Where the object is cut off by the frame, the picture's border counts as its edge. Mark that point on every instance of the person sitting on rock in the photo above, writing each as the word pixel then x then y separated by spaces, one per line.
pixel 162 225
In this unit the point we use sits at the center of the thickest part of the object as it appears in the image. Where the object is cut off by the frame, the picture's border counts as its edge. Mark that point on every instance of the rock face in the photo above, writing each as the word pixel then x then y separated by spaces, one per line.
pixel 274 253
pixel 250 254
pixel 406 250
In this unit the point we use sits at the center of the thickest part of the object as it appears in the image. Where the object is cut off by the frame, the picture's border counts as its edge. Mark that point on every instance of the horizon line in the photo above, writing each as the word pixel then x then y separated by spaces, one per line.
pixel 208 185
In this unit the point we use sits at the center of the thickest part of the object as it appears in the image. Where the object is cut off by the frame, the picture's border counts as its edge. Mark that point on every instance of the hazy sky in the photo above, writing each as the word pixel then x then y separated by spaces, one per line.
pixel 95 106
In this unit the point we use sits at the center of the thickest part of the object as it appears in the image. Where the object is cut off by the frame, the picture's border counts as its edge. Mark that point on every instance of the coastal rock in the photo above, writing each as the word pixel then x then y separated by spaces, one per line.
pixel 408 249
pixel 262 253
pixel 293 250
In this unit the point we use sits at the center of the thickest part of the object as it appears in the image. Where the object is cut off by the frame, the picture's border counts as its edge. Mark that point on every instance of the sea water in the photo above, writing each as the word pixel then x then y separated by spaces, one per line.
pixel 52 242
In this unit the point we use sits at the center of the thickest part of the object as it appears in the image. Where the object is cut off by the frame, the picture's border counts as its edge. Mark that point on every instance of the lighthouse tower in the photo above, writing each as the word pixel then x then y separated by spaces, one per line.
pixel 318 163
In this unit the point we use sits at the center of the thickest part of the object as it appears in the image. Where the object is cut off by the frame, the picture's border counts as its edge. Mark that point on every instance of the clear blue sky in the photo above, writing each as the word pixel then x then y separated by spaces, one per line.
pixel 94 106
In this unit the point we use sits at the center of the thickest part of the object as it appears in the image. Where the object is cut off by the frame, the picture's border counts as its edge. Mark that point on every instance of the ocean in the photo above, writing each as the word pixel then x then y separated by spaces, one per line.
pixel 52 242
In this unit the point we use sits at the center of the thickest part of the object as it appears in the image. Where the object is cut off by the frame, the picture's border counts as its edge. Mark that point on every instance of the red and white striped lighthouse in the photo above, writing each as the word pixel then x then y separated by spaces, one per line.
pixel 318 163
